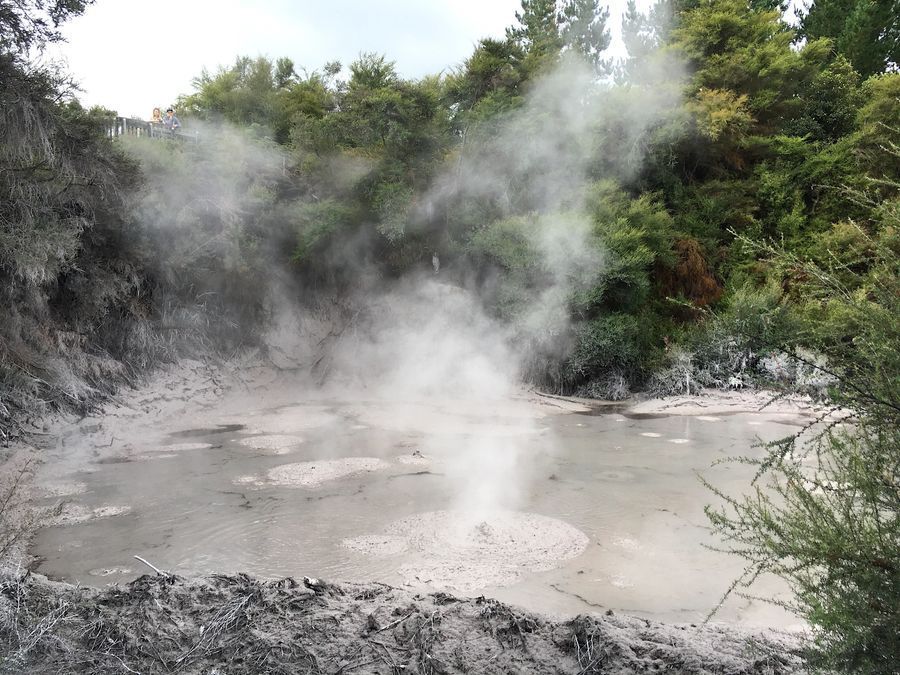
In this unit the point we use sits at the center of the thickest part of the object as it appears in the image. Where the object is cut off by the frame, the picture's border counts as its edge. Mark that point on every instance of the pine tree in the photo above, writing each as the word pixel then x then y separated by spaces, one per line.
pixel 867 32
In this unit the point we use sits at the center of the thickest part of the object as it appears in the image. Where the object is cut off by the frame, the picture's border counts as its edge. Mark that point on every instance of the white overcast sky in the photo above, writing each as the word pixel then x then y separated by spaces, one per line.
pixel 132 55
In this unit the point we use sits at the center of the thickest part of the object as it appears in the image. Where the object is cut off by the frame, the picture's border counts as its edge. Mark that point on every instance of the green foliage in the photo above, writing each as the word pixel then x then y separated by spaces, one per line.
pixel 748 53
pixel 732 344
pixel 392 202
pixel 262 94
pixel 30 24
pixel 865 31
pixel 506 243
pixel 825 511
pixel 379 116
pixel 640 32
pixel 637 236
pixel 241 91
pixel 490 80
pixel 832 531
pixel 537 32
pixel 614 343
pixel 545 29
pixel 583 29
pixel 878 130
pixel 371 72
pixel 850 304
pixel 831 102
pixel 318 224
pixel 505 251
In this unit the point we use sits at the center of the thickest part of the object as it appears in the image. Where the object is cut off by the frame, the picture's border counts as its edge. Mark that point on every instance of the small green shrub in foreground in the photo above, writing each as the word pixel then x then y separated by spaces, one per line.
pixel 824 510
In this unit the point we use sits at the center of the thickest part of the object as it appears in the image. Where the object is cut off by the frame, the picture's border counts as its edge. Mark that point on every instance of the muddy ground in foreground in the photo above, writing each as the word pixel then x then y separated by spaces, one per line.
pixel 240 625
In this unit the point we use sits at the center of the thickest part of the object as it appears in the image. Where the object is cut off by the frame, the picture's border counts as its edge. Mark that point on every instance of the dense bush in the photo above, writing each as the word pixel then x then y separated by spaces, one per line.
pixel 63 190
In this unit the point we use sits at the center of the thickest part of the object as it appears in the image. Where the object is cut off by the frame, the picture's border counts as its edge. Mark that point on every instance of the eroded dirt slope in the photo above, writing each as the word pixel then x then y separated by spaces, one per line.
pixel 241 625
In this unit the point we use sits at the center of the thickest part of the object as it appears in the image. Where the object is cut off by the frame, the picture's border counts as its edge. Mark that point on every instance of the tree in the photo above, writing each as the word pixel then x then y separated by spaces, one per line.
pixel 646 37
pixel 831 101
pixel 584 30
pixel 640 32
pixel 538 24
pixel 258 93
pixel 867 32
pixel 748 52
pixel 537 33
pixel 65 277
pixel 244 94
pixel 27 24
pixel 370 72
pixel 489 81
pixel 546 28
pixel 284 73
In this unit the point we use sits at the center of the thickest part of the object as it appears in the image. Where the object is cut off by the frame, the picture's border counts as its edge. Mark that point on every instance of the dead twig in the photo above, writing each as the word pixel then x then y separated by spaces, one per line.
pixel 392 624
pixel 154 568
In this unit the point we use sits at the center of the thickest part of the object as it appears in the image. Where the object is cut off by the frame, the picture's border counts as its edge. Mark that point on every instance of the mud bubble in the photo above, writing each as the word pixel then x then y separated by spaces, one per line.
pixel 466 551
pixel 278 444
pixel 313 474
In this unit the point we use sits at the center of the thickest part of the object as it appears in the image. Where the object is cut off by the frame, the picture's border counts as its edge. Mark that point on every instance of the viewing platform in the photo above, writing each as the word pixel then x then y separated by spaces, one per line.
pixel 130 126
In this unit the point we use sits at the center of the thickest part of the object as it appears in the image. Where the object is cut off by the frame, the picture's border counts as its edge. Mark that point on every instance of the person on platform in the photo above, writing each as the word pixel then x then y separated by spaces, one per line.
pixel 157 117
pixel 171 122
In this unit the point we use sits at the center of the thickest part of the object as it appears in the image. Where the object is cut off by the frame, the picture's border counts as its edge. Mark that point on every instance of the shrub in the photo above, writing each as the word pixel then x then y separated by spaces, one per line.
pixel 610 345
pixel 824 510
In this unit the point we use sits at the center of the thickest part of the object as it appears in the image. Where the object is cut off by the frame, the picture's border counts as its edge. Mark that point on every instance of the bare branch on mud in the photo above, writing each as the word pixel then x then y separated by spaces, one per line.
pixel 154 567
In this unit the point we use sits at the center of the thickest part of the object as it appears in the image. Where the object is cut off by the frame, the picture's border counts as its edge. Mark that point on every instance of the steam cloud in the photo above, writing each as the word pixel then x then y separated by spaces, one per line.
pixel 422 340
pixel 428 340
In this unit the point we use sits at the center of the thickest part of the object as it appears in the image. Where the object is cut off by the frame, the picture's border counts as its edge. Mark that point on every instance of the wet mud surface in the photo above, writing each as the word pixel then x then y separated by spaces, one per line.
pixel 518 500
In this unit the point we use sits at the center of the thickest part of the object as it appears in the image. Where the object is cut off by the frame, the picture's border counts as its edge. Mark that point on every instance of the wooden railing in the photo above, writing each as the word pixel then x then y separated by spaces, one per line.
pixel 129 126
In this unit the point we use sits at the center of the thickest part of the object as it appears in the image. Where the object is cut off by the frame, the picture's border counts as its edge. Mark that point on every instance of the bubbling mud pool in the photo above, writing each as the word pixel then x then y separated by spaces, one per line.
pixel 525 501
pixel 465 551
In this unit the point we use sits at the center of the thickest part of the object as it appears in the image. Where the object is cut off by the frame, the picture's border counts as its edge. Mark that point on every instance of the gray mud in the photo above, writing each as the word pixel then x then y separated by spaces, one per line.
pixel 569 513
pixel 465 552
pixel 242 626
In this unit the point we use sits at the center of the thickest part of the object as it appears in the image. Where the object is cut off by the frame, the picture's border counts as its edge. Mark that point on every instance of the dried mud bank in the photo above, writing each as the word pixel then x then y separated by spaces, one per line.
pixel 238 625
pixel 723 401
pixel 707 402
